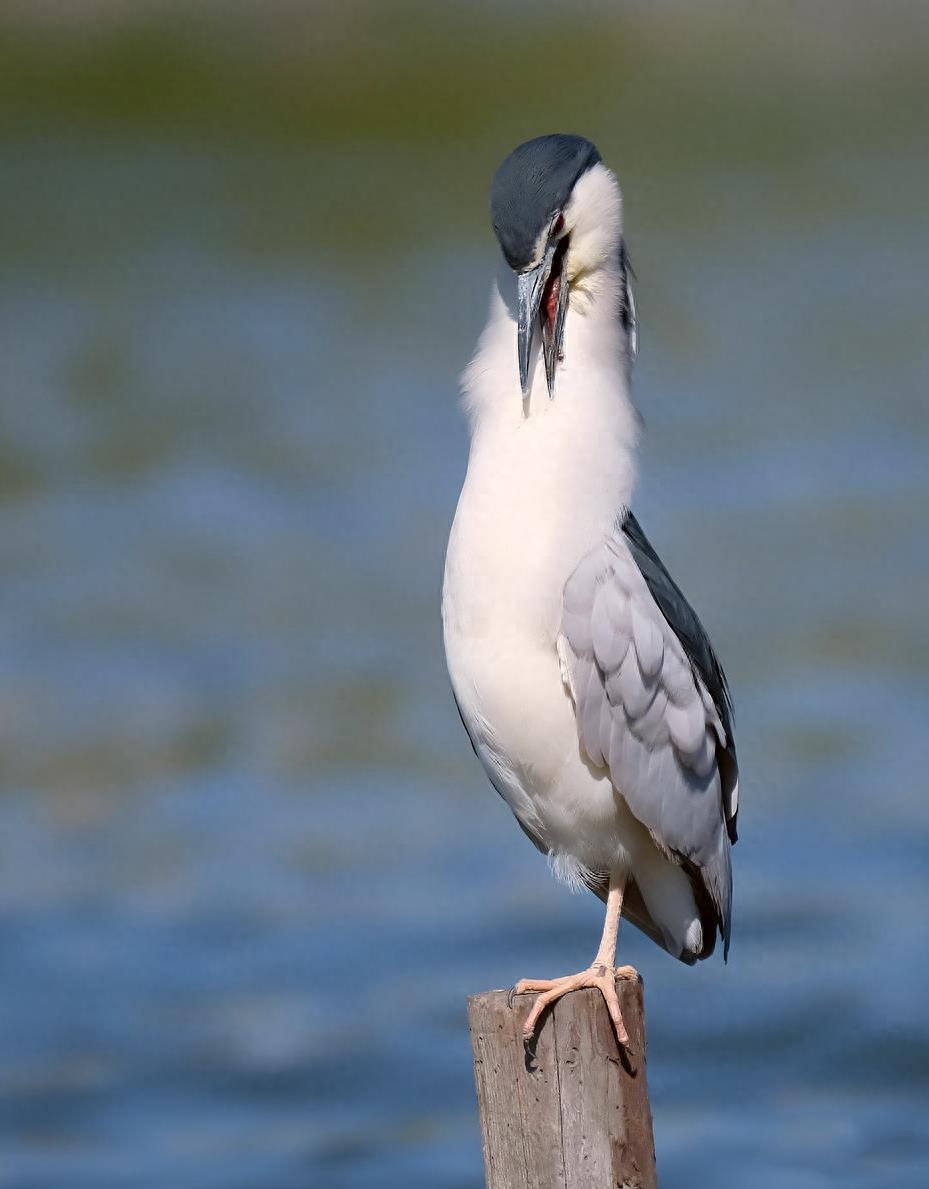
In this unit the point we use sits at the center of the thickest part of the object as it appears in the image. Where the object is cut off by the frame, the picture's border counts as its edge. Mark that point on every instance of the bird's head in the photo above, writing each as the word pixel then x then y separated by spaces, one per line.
pixel 557 213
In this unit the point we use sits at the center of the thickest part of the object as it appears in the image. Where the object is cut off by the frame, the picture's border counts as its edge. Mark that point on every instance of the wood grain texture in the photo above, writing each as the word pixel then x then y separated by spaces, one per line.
pixel 573 1112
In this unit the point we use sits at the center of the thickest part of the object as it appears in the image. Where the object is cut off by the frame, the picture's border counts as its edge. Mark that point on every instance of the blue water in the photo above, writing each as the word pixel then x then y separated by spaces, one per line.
pixel 251 868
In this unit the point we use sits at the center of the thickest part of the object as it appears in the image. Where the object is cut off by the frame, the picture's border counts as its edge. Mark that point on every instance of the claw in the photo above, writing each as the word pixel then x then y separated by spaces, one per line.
pixel 603 978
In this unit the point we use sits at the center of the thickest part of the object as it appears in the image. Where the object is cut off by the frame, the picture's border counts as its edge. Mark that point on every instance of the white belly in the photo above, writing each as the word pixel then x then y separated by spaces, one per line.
pixel 505 671
pixel 526 517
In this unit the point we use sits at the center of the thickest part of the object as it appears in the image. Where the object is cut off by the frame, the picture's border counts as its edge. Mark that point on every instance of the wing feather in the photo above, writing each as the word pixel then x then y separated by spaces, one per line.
pixel 609 645
pixel 653 707
pixel 649 639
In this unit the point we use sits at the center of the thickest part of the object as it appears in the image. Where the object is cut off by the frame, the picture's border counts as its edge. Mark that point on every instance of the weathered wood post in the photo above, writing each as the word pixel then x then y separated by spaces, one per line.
pixel 573 1111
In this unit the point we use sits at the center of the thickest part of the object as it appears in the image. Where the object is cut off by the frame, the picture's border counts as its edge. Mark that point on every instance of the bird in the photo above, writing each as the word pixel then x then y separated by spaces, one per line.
pixel 586 683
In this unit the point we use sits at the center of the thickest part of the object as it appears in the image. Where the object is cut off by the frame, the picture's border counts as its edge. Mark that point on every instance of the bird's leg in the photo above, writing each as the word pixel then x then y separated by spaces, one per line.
pixel 601 974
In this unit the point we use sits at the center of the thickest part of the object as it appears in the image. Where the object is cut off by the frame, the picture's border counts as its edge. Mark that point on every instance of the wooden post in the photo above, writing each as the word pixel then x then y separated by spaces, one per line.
pixel 571 1112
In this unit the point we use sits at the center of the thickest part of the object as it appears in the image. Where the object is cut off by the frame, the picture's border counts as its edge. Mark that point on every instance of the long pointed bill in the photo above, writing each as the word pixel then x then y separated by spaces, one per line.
pixel 553 333
pixel 529 288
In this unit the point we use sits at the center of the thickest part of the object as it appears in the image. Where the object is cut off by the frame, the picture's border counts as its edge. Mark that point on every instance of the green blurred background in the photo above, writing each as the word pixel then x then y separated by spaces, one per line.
pixel 250 866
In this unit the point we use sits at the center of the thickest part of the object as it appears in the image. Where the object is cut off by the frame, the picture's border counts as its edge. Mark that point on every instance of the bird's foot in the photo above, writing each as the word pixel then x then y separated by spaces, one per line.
pixel 603 978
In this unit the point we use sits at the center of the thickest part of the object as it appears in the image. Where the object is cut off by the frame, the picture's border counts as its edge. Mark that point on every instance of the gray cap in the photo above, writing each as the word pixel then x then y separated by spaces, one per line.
pixel 533 183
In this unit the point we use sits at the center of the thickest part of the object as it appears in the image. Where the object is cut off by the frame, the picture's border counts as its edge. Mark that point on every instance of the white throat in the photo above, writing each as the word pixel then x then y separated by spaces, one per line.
pixel 547 478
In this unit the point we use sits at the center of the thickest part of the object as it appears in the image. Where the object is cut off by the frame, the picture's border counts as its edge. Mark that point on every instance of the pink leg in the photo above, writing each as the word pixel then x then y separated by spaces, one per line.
pixel 600 974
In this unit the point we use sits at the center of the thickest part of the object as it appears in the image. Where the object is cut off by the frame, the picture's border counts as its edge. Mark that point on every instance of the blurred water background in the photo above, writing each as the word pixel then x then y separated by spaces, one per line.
pixel 250 868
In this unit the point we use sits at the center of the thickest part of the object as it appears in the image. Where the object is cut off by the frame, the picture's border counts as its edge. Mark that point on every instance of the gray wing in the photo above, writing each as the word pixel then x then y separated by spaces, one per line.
pixel 653 707
pixel 691 633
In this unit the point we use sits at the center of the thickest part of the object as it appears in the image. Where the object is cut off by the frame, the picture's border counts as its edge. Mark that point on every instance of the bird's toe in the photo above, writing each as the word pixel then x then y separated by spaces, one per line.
pixel 608 989
pixel 549 991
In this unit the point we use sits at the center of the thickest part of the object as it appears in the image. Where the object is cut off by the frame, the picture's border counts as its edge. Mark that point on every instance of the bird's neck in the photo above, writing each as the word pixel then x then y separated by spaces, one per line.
pixel 547 478
pixel 583 437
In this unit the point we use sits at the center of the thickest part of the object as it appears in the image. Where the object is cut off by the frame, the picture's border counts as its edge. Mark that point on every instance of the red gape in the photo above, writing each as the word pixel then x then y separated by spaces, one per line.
pixel 550 299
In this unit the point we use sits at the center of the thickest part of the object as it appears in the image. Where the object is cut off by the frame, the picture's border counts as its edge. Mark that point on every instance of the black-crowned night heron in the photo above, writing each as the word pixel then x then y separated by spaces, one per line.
pixel 586 683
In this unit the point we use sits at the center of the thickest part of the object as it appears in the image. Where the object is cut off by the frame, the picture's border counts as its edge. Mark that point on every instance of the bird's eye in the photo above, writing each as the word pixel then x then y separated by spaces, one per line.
pixel 558 225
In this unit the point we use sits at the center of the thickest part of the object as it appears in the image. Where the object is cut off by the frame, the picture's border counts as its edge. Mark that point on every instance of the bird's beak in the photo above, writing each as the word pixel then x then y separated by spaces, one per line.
pixel 553 333
pixel 530 286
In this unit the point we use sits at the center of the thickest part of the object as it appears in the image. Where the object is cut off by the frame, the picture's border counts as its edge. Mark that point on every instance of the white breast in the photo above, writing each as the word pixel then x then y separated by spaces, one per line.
pixel 546 480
